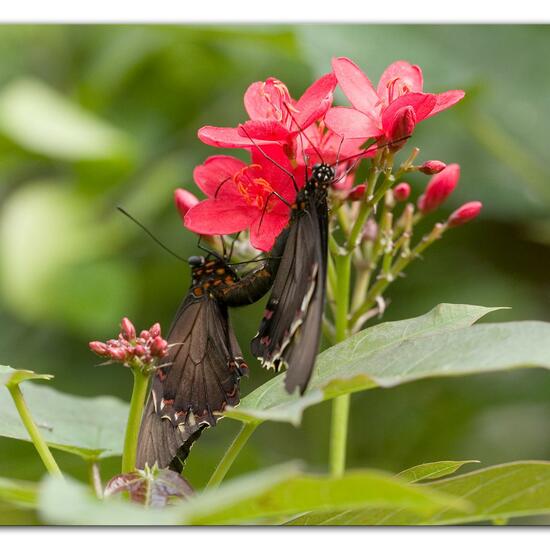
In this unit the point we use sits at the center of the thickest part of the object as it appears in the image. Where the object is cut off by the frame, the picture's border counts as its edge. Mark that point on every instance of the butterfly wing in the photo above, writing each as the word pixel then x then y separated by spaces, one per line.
pixel 290 331
pixel 201 379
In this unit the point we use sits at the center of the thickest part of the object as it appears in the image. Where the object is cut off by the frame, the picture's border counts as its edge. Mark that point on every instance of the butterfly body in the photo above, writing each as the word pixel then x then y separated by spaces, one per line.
pixel 290 331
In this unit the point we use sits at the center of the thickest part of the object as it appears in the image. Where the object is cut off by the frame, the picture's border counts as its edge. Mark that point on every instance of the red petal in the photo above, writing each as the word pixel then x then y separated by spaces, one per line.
pixel 315 101
pixel 223 137
pixel 446 100
pixel 254 102
pixel 411 75
pixel 213 177
pixel 219 217
pixel 351 123
pixel 355 84
pixel 263 232
pixel 184 200
pixel 276 170
pixel 421 103
pixel 266 130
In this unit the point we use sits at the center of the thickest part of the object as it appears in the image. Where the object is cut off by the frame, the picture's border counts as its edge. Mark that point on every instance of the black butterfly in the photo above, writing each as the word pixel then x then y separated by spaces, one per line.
pixel 204 365
pixel 290 330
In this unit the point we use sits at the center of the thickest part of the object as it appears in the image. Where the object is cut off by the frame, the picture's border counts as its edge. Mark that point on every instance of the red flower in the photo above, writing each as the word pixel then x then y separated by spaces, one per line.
pixel 242 196
pixel 431 167
pixel 274 115
pixel 464 214
pixel 185 200
pixel 377 113
pixel 439 188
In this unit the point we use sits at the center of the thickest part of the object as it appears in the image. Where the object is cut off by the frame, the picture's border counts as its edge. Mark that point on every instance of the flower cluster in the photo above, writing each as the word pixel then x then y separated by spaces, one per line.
pixel 131 350
pixel 285 137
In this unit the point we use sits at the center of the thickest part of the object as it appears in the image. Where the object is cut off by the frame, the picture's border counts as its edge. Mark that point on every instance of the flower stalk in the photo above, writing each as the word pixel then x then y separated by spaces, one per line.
pixel 231 454
pixel 139 392
pixel 38 442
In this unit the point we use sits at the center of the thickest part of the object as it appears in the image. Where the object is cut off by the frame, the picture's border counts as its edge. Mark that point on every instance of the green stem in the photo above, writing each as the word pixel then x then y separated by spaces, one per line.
pixel 141 382
pixel 339 434
pixel 340 405
pixel 231 454
pixel 36 437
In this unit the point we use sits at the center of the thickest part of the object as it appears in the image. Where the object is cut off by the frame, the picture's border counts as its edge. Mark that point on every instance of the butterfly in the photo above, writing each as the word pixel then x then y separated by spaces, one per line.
pixel 200 377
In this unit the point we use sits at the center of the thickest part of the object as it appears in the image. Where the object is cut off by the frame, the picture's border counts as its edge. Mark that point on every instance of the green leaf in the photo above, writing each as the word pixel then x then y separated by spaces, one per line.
pixel 20 493
pixel 306 492
pixel 511 490
pixel 67 502
pixel 40 119
pixel 279 491
pixel 88 427
pixel 359 363
pixel 432 470
pixel 12 377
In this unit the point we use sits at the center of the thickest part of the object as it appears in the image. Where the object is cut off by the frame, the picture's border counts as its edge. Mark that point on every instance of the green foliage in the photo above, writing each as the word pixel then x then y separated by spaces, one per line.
pixel 507 491
pixel 11 377
pixel 438 344
pixel 432 470
pixel 89 427
pixel 276 492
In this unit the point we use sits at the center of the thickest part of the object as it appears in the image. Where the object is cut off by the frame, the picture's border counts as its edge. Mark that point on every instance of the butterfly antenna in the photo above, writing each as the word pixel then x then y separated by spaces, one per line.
pixel 156 239
pixel 302 133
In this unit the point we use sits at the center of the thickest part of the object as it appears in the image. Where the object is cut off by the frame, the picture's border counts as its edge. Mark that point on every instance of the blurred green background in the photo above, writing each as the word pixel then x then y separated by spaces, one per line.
pixel 96 116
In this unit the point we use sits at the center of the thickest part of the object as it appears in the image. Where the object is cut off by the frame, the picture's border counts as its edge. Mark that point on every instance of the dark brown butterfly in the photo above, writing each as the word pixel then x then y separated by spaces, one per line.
pixel 204 365
pixel 290 330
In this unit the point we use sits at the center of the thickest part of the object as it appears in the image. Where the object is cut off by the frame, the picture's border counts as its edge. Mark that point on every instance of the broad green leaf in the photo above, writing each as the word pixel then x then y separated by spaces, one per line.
pixel 320 492
pixel 42 120
pixel 358 363
pixel 511 490
pixel 67 502
pixel 279 491
pixel 432 470
pixel 88 427
pixel 12 377
pixel 20 493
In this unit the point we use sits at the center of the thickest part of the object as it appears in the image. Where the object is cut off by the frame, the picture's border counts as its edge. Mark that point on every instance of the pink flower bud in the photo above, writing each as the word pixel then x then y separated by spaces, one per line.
pixel 401 127
pixel 431 167
pixel 159 347
pixel 118 354
pixel 357 192
pixel 439 188
pixel 464 214
pixel 145 335
pixel 100 348
pixel 185 200
pixel 401 192
pixel 128 329
pixel 139 350
pixel 154 331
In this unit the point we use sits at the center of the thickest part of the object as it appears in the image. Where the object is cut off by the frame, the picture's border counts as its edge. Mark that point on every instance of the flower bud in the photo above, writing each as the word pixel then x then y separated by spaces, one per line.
pixel 159 347
pixel 145 335
pixel 154 331
pixel 439 188
pixel 99 348
pixel 128 329
pixel 357 192
pixel 401 192
pixel 401 127
pixel 139 350
pixel 185 200
pixel 118 354
pixel 464 214
pixel 431 167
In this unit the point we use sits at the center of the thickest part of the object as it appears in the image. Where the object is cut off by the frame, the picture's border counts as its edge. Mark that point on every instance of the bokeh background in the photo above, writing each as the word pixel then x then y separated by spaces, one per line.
pixel 96 116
